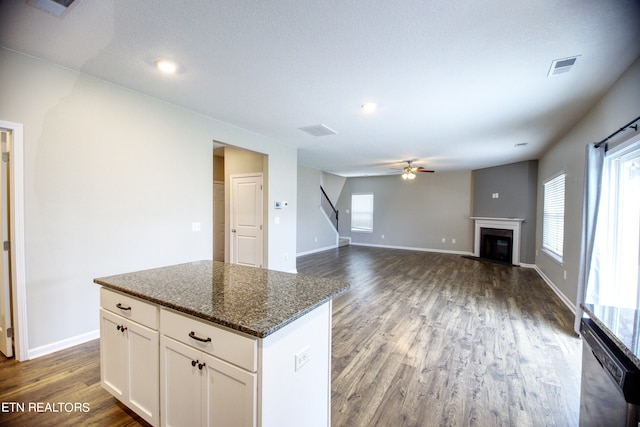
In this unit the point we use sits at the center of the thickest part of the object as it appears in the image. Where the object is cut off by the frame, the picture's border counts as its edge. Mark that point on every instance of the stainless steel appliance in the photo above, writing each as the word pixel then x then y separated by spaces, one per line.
pixel 610 390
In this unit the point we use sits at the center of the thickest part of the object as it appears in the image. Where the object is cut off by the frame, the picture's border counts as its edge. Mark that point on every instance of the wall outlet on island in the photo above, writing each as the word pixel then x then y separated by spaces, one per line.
pixel 302 358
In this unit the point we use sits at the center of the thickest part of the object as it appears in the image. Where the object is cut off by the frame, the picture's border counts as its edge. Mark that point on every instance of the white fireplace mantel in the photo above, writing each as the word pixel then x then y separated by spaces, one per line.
pixel 512 224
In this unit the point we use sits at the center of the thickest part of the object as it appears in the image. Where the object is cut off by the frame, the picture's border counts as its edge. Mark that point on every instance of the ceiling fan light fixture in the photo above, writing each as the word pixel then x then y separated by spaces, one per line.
pixel 408 174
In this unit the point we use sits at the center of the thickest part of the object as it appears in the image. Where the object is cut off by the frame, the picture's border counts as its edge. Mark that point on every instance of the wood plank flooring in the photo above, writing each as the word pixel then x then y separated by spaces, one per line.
pixel 427 339
pixel 420 339
pixel 68 382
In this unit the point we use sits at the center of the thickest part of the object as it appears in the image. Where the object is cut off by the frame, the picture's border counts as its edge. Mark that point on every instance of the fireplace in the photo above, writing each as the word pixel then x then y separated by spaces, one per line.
pixel 503 239
pixel 496 244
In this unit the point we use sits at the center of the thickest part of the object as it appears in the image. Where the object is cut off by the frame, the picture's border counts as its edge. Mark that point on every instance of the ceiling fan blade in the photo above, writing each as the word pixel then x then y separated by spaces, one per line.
pixel 421 169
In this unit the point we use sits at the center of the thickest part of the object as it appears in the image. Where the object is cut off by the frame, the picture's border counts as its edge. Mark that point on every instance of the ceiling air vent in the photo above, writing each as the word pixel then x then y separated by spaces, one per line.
pixel 57 8
pixel 318 130
pixel 562 66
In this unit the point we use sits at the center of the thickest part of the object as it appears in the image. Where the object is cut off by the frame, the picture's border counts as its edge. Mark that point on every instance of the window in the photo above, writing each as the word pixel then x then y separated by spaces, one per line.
pixel 362 212
pixel 553 217
pixel 617 243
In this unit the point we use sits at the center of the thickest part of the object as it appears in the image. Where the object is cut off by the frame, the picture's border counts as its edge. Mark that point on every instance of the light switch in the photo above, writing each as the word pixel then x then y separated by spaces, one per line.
pixel 195 226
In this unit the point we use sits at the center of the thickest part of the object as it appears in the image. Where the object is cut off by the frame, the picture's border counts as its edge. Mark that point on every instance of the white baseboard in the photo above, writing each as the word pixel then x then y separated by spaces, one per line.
pixel 313 251
pixel 63 344
pixel 555 289
pixel 409 248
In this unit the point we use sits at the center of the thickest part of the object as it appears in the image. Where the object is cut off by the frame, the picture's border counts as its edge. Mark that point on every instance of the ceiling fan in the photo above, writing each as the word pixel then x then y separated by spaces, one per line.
pixel 409 171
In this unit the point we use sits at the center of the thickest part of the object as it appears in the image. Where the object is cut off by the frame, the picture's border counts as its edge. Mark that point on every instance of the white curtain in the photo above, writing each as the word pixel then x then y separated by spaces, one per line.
pixel 593 171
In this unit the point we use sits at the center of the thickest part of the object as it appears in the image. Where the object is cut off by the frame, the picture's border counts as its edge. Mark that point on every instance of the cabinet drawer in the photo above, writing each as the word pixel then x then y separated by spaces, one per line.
pixel 130 307
pixel 226 345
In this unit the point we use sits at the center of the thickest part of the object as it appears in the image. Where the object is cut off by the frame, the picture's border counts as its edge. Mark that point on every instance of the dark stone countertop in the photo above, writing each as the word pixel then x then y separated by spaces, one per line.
pixel 622 325
pixel 255 301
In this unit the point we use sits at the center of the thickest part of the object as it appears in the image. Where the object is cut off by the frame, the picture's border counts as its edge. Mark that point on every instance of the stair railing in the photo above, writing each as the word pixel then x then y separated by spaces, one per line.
pixel 329 209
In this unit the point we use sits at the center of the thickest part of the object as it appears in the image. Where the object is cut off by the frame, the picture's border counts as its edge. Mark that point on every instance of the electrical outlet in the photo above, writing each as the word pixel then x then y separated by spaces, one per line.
pixel 453 240
pixel 383 236
pixel 444 240
pixel 302 358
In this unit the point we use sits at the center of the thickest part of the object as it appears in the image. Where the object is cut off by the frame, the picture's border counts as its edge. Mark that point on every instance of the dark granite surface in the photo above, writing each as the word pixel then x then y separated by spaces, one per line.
pixel 622 325
pixel 251 300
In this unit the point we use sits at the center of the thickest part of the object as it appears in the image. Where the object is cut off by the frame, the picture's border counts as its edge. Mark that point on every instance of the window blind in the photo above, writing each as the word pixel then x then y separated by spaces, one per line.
pixel 362 212
pixel 553 216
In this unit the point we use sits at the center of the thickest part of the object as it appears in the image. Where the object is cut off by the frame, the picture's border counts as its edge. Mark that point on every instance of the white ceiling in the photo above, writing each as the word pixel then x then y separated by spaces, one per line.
pixel 458 83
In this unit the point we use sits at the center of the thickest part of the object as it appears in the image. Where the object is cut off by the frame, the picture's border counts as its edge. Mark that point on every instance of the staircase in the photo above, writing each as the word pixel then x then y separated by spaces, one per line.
pixel 333 217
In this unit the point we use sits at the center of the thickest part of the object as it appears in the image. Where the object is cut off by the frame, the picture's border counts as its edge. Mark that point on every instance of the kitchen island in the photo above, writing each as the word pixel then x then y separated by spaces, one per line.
pixel 208 343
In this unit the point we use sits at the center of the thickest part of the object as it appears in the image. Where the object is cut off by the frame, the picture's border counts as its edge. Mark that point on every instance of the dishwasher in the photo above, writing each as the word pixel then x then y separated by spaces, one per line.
pixel 610 386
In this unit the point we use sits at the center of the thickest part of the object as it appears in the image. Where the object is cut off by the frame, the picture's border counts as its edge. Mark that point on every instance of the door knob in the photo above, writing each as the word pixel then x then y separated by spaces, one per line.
pixel 233 230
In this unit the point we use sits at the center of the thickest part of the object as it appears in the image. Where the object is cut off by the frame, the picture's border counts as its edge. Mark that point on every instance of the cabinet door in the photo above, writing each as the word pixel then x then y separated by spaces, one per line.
pixel 143 373
pixel 229 395
pixel 113 362
pixel 180 379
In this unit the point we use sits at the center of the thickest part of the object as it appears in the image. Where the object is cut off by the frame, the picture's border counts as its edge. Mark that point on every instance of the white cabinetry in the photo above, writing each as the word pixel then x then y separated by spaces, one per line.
pixel 129 352
pixel 207 374
pixel 174 369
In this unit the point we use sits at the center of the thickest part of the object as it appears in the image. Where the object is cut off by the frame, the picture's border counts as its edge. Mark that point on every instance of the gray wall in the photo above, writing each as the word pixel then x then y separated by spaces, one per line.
pixel 314 230
pixel 113 181
pixel 516 185
pixel 414 214
pixel 618 106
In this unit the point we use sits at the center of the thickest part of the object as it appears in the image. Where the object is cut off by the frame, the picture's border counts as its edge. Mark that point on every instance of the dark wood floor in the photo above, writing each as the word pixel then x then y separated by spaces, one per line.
pixel 420 339
pixel 68 382
pixel 427 339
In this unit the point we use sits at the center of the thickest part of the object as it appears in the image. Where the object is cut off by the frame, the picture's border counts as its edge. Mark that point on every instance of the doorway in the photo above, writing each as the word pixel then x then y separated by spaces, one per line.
pixel 6 330
pixel 229 163
pixel 13 333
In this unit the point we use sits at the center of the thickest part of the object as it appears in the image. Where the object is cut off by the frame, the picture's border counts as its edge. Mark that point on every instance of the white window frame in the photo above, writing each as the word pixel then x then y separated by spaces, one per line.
pixel 362 226
pixel 618 232
pixel 553 216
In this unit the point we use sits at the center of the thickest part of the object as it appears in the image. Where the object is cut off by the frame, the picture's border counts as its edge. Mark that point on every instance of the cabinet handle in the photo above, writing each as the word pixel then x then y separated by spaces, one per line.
pixel 193 362
pixel 201 365
pixel 122 307
pixel 121 328
pixel 197 338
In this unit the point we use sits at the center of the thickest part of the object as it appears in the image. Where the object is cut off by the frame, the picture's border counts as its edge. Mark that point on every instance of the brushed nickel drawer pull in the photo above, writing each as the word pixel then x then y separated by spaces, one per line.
pixel 122 307
pixel 197 338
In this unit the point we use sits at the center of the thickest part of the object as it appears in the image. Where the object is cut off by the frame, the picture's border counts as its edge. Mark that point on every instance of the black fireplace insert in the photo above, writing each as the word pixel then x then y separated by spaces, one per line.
pixel 496 244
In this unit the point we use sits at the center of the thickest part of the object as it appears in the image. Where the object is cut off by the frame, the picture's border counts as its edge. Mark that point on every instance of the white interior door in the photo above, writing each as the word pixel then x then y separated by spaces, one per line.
pixel 246 220
pixel 218 221
pixel 6 346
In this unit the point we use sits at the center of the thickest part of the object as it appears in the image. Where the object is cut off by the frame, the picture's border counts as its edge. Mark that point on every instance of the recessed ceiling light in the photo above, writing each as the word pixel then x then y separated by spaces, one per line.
pixel 369 107
pixel 166 66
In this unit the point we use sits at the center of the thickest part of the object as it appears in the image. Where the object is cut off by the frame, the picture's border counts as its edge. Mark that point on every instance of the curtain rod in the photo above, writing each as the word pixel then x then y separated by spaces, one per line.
pixel 622 129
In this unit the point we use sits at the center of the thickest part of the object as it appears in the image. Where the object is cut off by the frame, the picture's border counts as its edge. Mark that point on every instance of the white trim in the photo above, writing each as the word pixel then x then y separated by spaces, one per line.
pixel 313 251
pixel 18 269
pixel 409 248
pixel 555 289
pixel 522 264
pixel 512 224
pixel 63 344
